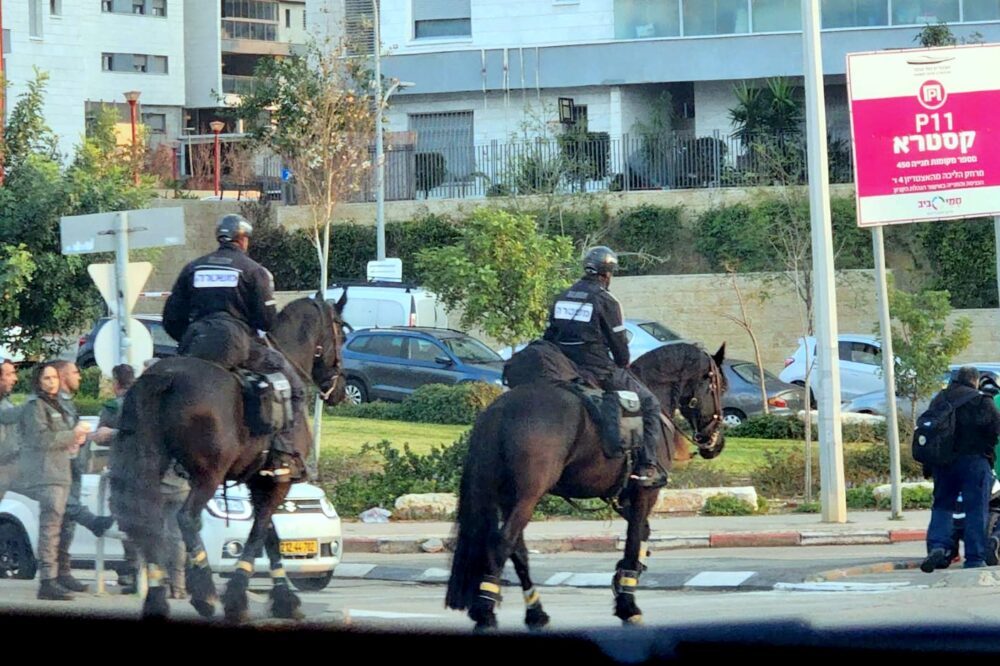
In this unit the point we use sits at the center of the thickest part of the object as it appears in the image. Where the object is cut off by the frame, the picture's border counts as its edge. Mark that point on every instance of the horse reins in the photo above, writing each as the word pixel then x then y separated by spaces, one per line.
pixel 305 376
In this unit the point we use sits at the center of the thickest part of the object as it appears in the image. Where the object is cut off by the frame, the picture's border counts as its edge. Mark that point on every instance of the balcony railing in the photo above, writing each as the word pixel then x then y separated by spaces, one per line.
pixel 263 32
pixel 237 85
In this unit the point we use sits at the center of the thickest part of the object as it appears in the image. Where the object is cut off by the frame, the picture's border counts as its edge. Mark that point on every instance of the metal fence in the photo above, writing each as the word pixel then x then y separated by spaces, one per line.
pixel 594 162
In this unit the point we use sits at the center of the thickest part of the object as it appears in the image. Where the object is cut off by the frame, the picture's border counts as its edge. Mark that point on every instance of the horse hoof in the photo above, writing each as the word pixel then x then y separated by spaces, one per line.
pixel 205 608
pixel 485 627
pixel 155 607
pixel 237 615
pixel 285 604
pixel 634 621
pixel 536 620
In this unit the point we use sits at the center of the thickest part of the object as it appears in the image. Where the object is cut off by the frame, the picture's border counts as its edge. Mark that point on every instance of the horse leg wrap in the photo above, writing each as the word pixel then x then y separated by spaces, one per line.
pixel 625 582
pixel 154 574
pixel 489 590
pixel 644 553
pixel 532 599
pixel 278 576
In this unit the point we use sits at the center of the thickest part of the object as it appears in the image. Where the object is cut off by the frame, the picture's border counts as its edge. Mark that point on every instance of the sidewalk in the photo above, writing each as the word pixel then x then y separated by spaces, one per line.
pixel 555 536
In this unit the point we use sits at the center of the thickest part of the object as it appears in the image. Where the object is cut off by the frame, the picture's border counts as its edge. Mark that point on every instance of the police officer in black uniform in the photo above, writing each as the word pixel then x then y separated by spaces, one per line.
pixel 586 322
pixel 214 311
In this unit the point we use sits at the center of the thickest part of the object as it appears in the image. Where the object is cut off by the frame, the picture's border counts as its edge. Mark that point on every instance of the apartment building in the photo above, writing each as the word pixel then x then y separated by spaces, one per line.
pixel 484 71
pixel 186 58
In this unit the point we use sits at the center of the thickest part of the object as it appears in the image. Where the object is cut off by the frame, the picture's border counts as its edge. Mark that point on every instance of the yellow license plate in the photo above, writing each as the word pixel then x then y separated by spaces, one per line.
pixel 299 547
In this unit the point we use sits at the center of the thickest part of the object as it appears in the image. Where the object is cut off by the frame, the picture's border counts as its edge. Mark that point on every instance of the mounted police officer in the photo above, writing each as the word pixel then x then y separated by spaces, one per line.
pixel 215 309
pixel 586 322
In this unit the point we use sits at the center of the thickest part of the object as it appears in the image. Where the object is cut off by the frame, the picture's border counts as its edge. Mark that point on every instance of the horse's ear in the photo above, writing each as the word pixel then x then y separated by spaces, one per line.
pixel 720 355
pixel 342 302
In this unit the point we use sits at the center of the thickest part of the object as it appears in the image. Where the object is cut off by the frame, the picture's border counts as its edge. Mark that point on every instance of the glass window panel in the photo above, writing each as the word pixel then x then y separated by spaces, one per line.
pixel 920 12
pixel 854 13
pixel 981 10
pixel 715 17
pixel 639 19
pixel 443 28
pixel 777 15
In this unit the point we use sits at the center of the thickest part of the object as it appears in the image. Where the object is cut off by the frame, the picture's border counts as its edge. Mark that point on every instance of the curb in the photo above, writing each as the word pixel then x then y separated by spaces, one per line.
pixel 611 544
pixel 864 569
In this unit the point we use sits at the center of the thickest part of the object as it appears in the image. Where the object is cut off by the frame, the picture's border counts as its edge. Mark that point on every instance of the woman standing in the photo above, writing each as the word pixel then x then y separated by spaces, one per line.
pixel 49 441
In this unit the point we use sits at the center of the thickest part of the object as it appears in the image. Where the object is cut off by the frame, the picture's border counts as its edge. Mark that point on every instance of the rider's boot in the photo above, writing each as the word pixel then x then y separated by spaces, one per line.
pixel 648 473
pixel 283 461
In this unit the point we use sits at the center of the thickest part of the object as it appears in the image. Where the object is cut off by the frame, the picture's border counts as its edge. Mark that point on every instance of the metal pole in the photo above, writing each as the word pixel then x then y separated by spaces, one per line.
pixel 888 371
pixel 318 404
pixel 379 157
pixel 216 160
pixel 135 165
pixel 121 287
pixel 833 499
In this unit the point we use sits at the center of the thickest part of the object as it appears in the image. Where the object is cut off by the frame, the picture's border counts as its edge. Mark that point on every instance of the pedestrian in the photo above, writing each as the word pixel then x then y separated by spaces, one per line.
pixel 9 415
pixel 969 472
pixel 50 437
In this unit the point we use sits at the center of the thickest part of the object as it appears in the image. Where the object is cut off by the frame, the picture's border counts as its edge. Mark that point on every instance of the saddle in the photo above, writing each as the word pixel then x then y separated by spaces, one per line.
pixel 617 414
pixel 267 401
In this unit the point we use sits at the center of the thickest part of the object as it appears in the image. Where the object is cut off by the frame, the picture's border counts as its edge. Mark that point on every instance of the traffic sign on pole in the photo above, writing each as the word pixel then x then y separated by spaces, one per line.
pixel 103 276
pixel 107 345
pixel 149 227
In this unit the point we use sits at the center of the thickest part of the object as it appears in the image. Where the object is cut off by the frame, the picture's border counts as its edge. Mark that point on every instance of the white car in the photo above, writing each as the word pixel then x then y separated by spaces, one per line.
pixel 860 364
pixel 306 522
pixel 643 335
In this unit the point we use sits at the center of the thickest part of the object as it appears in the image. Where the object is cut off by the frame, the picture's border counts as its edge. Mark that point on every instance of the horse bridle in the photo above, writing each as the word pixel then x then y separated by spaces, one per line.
pixel 715 380
pixel 318 353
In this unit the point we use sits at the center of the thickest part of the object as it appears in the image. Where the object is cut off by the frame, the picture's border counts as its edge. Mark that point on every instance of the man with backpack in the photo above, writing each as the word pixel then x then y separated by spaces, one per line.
pixel 955 438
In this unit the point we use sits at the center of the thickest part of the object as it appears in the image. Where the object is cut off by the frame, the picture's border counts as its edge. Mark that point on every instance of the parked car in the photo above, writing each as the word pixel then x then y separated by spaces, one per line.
pixel 387 304
pixel 743 398
pixel 310 530
pixel 860 364
pixel 643 335
pixel 390 364
pixel 164 346
pixel 875 403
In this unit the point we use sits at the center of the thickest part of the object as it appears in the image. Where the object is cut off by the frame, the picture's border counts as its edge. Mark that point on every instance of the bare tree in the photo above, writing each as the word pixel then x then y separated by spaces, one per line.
pixel 743 321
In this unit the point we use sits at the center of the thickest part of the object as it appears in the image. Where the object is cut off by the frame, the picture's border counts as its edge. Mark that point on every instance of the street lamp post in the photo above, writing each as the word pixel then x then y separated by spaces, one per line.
pixel 217 126
pixel 132 97
pixel 380 162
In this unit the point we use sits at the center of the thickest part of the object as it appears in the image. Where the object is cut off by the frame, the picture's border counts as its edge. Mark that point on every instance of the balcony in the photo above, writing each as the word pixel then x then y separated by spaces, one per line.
pixel 237 85
pixel 252 37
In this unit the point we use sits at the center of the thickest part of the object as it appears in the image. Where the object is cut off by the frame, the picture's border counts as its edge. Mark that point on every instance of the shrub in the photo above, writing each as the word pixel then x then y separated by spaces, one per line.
pixel 769 426
pixel 861 497
pixel 727 505
pixel 807 507
pixel 387 411
pixel 438 403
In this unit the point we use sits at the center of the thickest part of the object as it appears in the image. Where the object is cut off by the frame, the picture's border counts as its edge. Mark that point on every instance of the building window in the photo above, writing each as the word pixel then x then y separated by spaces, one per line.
pixel 981 10
pixel 640 19
pixel 854 13
pixel 776 15
pixel 55 7
pixel 159 8
pixel 288 18
pixel 35 18
pixel 304 26
pixel 138 6
pixel 261 10
pixel 716 17
pixel 133 62
pixel 107 5
pixel 156 122
pixel 441 18
pixel 921 12
pixel 359 25
pixel 451 135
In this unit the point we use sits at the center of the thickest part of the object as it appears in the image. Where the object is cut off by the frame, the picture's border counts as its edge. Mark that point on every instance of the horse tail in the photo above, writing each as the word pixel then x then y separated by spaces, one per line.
pixel 477 526
pixel 137 460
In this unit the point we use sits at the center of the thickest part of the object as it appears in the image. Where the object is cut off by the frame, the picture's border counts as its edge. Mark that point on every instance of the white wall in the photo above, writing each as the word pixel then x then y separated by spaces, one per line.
pixel 499 118
pixel 295 34
pixel 712 101
pixel 202 44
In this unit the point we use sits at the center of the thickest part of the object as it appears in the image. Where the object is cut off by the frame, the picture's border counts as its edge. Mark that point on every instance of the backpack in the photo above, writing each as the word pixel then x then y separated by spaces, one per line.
pixel 934 438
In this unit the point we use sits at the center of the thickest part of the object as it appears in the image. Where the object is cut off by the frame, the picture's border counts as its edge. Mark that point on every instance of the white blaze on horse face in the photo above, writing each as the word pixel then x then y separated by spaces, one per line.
pixel 214 278
pixel 573 311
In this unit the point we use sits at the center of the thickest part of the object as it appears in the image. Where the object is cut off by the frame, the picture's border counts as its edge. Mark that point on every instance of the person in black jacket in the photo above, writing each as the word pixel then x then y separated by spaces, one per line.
pixel 977 426
pixel 586 322
pixel 215 309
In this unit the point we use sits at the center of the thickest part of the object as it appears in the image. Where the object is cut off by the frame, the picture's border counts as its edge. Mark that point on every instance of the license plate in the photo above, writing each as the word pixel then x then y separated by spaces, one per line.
pixel 299 548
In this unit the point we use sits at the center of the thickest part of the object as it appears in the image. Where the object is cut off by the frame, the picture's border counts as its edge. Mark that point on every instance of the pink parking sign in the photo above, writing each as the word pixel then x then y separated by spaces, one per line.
pixel 926 130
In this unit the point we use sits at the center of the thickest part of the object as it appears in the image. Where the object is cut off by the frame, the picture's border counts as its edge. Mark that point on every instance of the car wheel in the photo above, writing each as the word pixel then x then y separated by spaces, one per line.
pixel 312 583
pixel 733 417
pixel 355 392
pixel 16 558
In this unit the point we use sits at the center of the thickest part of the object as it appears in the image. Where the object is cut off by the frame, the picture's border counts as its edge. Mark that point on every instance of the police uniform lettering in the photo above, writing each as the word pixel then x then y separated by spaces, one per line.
pixel 215 278
pixel 573 311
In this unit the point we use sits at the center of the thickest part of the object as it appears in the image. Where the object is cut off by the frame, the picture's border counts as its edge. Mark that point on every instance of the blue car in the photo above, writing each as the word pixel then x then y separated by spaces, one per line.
pixel 391 363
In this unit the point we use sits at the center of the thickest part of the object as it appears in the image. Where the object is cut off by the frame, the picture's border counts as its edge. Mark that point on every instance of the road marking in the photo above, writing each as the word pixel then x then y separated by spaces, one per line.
pixel 434 574
pixel 387 615
pixel 558 579
pixel 587 580
pixel 353 570
pixel 719 579
pixel 843 587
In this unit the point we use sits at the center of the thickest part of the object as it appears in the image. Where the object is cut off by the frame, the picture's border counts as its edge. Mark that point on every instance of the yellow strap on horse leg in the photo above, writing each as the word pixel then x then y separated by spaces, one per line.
pixel 489 587
pixel 531 597
pixel 199 558
pixel 643 552
pixel 244 566
pixel 278 573
pixel 154 574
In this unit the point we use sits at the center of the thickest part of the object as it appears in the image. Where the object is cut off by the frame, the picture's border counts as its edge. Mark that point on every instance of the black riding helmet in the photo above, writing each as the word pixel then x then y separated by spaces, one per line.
pixel 232 226
pixel 600 260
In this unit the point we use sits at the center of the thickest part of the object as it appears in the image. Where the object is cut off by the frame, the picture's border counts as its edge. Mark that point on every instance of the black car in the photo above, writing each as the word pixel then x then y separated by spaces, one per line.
pixel 164 346
pixel 391 363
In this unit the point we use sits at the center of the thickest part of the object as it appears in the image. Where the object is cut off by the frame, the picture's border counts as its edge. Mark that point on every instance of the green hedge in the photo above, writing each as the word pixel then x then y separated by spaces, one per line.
pixel 457 404
pixel 770 426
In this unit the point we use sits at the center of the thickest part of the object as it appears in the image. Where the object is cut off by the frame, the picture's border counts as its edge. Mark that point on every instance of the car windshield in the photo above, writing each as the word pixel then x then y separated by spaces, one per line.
pixel 659 331
pixel 470 350
pixel 751 373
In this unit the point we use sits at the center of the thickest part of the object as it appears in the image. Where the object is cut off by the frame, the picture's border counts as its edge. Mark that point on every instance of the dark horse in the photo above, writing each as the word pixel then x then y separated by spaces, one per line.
pixel 539 439
pixel 191 411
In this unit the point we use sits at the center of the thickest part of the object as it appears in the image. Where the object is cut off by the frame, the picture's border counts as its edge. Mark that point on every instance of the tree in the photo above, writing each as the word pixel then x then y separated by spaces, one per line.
pixel 502 272
pixel 315 112
pixel 922 341
pixel 45 293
